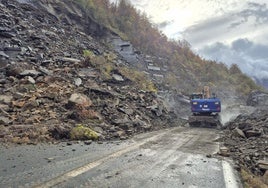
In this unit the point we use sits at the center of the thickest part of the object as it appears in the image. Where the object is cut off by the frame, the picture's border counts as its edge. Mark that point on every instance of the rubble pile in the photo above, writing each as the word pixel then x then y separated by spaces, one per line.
pixel 246 137
pixel 48 86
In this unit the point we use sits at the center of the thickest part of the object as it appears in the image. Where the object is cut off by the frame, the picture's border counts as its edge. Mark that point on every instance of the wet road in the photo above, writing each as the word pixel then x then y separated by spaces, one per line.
pixel 174 157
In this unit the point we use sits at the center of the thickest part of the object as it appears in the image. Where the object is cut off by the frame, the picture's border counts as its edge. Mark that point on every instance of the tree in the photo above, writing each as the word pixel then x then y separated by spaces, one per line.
pixel 234 69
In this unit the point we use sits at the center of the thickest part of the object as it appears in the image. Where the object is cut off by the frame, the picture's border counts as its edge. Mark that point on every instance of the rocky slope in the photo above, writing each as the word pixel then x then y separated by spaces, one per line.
pixel 55 82
pixel 246 137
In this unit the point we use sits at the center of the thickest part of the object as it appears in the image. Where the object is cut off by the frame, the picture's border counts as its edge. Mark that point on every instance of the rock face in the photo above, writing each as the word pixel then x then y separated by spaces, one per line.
pixel 48 87
pixel 247 140
pixel 258 98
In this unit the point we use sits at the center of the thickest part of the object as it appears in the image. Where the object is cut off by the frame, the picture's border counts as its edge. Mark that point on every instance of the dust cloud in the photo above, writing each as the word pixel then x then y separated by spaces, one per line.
pixel 231 111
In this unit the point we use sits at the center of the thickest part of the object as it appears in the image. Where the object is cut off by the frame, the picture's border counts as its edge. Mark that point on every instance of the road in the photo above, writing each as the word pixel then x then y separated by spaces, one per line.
pixel 176 157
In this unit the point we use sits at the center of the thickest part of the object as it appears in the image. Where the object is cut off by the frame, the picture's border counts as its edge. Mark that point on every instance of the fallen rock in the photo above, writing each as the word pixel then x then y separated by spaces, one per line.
pixel 4 121
pixel 60 132
pixel 31 80
pixel 6 99
pixel 81 132
pixel 239 133
pixel 79 99
pixel 32 73
pixel 263 164
pixel 118 78
pixel 253 133
pixel 224 151
pixel 77 81
pixel 3 54
pixel 71 60
pixel 88 142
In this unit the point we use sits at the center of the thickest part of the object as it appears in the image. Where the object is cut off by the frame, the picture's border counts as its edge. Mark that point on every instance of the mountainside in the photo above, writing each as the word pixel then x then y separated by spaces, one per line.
pixel 59 81
pixel 216 30
pixel 85 70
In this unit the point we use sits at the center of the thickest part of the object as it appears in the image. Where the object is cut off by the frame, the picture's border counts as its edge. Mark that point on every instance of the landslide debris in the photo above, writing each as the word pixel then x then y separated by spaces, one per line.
pixel 246 138
pixel 55 77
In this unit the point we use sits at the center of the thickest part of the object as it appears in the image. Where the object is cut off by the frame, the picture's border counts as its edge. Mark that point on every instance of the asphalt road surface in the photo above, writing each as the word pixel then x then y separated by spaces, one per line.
pixel 176 157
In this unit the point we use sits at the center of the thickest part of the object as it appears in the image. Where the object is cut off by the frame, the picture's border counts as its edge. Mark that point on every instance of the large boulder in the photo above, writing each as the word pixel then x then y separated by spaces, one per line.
pixel 81 132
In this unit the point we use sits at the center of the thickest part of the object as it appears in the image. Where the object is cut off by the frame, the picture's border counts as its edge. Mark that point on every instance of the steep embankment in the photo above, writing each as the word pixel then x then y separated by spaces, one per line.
pixel 58 81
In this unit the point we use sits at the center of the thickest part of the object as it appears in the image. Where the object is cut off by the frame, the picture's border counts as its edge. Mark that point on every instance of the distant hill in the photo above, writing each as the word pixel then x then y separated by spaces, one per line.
pixel 263 82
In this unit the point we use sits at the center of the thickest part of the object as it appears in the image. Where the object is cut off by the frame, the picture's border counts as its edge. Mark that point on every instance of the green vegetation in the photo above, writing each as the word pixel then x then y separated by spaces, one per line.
pixel 81 132
pixel 187 70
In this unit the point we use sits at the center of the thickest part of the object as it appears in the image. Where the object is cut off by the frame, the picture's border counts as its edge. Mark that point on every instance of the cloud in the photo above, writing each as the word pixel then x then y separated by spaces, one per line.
pixel 232 32
pixel 164 24
pixel 251 57
pixel 257 10
pixel 250 22
pixel 208 31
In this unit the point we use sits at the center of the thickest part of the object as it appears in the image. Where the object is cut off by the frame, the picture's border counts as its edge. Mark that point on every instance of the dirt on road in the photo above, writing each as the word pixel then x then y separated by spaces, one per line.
pixel 178 157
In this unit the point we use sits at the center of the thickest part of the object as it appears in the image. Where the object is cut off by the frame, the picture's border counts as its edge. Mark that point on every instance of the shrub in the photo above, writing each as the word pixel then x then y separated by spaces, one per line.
pixel 139 78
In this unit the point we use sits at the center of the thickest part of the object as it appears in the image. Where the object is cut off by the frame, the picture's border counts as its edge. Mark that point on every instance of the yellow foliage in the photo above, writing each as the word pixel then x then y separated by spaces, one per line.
pixel 110 57
pixel 251 181
pixel 139 78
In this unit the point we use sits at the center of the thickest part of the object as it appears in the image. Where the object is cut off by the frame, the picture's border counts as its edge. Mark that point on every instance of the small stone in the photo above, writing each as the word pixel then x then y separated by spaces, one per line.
pixel 79 99
pixel 253 133
pixel 3 81
pixel 239 133
pixel 33 73
pixel 31 80
pixel 71 60
pixel 263 164
pixel 3 54
pixel 7 99
pixel 77 81
pixel 88 142
pixel 4 121
pixel 45 71
pixel 49 159
pixel 208 155
pixel 224 151
pixel 118 78
pixel 18 95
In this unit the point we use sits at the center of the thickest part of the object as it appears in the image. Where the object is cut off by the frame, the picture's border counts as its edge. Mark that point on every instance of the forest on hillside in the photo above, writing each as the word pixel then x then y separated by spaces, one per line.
pixel 187 69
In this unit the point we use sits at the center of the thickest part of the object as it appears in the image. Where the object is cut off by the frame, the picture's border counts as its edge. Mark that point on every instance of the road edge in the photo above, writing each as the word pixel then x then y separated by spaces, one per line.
pixel 231 178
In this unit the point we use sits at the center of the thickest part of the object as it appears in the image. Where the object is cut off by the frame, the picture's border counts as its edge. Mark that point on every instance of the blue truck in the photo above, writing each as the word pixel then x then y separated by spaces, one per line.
pixel 205 109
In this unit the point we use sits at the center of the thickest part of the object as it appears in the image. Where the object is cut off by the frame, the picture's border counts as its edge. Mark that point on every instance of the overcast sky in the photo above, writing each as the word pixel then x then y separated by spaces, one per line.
pixel 231 31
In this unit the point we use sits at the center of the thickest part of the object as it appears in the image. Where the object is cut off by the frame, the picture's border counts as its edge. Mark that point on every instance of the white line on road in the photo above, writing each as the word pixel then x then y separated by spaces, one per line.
pixel 229 177
pixel 73 173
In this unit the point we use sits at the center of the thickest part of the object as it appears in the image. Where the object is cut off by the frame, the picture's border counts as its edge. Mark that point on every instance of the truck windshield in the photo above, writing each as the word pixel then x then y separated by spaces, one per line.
pixel 196 96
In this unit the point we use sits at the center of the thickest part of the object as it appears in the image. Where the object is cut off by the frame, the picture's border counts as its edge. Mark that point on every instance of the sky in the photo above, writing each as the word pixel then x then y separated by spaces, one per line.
pixel 230 31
